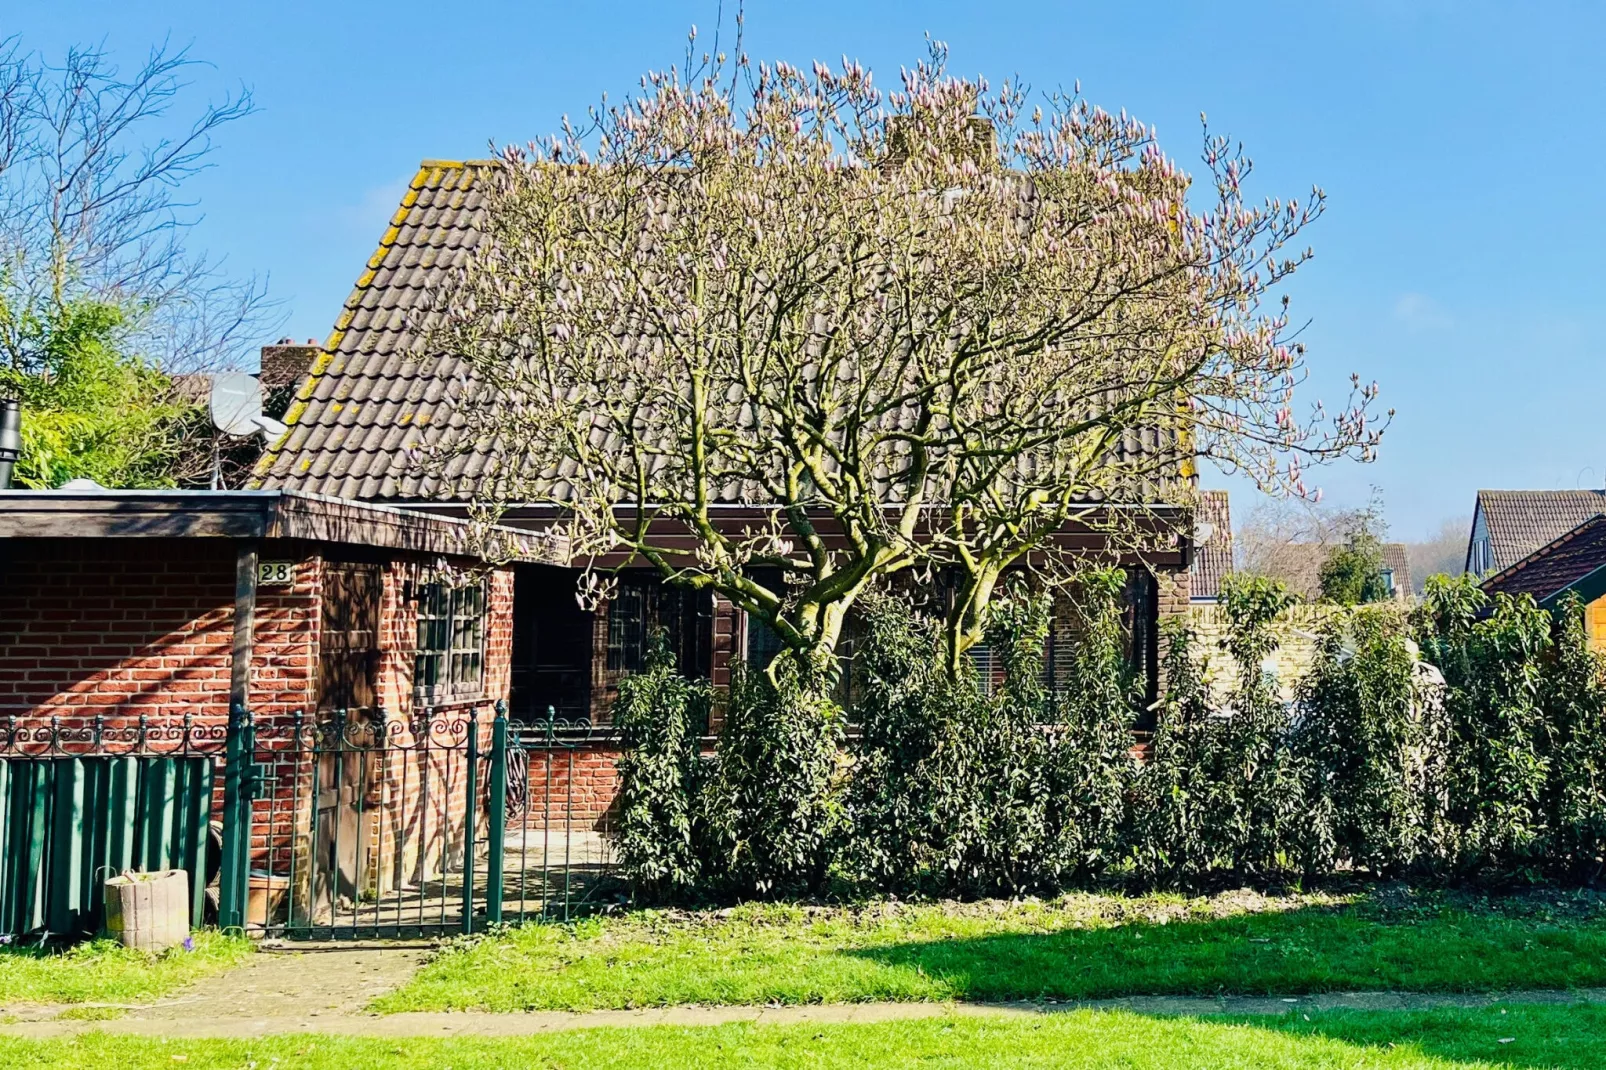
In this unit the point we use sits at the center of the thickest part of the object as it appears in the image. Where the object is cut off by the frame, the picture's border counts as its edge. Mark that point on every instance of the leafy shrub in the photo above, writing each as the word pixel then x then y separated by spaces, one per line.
pixel 771 804
pixel 1575 696
pixel 912 803
pixel 1372 737
pixel 658 714
pixel 1494 658
pixel 1223 795
pixel 1498 770
pixel 1091 764
pixel 1170 835
pixel 958 791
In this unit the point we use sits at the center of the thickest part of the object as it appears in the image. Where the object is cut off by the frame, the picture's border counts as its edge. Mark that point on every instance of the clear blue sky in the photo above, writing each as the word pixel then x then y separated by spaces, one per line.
pixel 1460 263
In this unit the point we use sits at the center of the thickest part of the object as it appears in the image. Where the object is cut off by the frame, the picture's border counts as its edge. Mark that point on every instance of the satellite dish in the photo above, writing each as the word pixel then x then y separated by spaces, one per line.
pixel 236 404
pixel 1203 533
pixel 80 483
pixel 269 427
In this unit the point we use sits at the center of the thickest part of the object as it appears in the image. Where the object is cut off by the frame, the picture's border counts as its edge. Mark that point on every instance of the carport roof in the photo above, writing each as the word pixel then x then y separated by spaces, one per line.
pixel 258 514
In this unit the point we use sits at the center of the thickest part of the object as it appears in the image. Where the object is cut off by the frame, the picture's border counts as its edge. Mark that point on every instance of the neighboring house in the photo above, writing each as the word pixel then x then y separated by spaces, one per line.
pixel 1299 565
pixel 1212 555
pixel 1508 525
pixel 372 398
pixel 1511 536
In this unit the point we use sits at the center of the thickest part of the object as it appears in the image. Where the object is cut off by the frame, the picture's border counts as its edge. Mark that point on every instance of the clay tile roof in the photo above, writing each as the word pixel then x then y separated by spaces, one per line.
pixel 371 399
pixel 1213 558
pixel 1299 564
pixel 1557 565
pixel 1521 521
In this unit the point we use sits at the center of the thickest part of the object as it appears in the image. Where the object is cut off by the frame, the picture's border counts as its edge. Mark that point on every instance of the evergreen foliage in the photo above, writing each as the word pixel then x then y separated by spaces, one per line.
pixel 657 715
pixel 1373 737
pixel 90 408
pixel 1462 741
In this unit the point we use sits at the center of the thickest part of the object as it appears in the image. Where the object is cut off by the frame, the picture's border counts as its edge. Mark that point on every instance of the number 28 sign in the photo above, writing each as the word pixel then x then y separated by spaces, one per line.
pixel 275 573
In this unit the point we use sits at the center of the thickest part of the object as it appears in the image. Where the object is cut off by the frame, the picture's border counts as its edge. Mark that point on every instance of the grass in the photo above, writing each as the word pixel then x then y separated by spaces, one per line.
pixel 1081 947
pixel 103 971
pixel 1568 1038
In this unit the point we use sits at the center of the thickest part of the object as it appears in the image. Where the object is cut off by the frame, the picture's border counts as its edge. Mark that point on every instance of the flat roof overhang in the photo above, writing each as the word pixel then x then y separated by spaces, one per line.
pixel 260 514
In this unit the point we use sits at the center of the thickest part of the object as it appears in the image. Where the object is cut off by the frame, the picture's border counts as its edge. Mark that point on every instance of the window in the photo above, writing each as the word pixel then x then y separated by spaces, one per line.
pixel 763 642
pixel 450 658
pixel 1139 640
pixel 1140 608
pixel 643 605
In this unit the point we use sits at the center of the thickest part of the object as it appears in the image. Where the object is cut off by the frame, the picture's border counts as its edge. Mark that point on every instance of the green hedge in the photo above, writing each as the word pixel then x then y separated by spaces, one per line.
pixel 1462 740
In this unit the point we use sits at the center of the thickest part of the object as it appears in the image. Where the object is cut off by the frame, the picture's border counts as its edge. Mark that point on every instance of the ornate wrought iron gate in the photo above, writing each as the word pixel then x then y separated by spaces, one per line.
pixel 361 824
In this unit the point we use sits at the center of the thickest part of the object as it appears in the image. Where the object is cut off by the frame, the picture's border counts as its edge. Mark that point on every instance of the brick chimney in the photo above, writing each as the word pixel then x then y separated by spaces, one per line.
pixel 284 366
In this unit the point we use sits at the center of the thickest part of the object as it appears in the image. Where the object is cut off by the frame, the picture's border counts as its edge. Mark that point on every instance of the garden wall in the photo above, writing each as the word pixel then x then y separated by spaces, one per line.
pixel 1298 632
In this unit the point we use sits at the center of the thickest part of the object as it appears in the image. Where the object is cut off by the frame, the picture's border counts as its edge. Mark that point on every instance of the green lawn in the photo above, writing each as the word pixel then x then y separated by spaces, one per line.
pixel 1081 947
pixel 103 971
pixel 1570 1038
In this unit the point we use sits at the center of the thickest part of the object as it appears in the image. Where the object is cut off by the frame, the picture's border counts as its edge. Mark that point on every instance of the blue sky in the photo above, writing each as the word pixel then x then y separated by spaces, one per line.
pixel 1460 262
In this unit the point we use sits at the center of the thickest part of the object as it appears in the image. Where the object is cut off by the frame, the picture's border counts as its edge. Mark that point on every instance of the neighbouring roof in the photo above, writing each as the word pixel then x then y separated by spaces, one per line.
pixel 1558 566
pixel 371 400
pixel 250 514
pixel 1299 565
pixel 1521 521
pixel 1212 558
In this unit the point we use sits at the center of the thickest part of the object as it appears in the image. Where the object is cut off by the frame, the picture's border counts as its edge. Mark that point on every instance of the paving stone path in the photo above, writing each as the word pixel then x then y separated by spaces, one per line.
pixel 328 991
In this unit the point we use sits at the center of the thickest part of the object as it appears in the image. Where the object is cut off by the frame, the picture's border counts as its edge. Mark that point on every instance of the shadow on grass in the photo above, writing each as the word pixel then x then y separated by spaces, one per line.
pixel 1548 1037
pixel 1429 948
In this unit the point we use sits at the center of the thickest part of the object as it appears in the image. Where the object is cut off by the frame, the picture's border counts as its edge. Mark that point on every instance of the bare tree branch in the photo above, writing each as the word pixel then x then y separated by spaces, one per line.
pixel 90 211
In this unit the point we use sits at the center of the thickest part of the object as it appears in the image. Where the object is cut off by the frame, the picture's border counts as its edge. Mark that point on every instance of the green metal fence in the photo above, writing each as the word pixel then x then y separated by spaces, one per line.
pixel 366 824
pixel 350 824
pixel 81 804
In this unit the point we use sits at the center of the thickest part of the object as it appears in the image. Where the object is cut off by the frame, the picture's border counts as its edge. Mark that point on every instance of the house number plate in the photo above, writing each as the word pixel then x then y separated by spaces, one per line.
pixel 275 573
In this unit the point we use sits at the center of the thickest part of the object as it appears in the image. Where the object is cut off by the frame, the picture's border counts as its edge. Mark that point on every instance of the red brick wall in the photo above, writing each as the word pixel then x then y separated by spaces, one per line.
pixel 124 628
pixel 132 627
pixel 593 774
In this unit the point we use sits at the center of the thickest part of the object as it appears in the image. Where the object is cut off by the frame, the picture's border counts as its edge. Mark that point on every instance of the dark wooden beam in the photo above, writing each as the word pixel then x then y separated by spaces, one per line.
pixel 245 608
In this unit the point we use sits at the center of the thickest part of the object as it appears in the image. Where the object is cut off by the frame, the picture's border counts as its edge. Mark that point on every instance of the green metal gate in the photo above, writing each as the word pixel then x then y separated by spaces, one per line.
pixel 354 824
pixel 74 811
pixel 363 824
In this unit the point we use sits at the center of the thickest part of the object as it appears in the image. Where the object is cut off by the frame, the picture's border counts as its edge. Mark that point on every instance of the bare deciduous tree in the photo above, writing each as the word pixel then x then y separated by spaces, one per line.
pixel 925 329
pixel 90 212
pixel 1445 552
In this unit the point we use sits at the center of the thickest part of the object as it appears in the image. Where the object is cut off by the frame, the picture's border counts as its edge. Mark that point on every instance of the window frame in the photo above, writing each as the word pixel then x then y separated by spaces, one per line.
pixel 459 639
pixel 644 602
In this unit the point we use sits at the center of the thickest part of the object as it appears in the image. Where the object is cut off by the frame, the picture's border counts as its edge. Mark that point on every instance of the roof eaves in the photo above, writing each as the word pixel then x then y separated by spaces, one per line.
pixel 1590 586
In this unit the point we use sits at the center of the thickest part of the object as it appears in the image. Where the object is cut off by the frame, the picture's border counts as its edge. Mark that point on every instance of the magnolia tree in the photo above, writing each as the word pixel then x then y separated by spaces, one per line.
pixel 921 331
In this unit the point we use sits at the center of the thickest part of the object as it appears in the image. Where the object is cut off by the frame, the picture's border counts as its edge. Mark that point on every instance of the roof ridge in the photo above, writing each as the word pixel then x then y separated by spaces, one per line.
pixel 429 163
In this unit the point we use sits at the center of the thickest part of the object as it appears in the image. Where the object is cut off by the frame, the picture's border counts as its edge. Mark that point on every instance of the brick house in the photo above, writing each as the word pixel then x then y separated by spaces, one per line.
pixel 133 622
pixel 371 396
